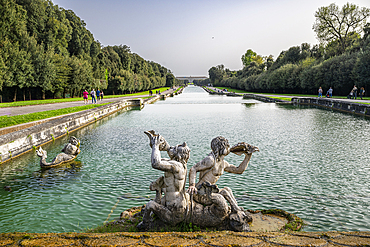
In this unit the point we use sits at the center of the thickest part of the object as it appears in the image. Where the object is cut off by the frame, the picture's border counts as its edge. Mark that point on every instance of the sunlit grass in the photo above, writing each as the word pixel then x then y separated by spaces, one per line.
pixel 283 94
pixel 281 98
pixel 6 121
pixel 52 101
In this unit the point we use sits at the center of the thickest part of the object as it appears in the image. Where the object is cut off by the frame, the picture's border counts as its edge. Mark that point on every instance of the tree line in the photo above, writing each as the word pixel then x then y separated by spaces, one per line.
pixel 47 52
pixel 341 59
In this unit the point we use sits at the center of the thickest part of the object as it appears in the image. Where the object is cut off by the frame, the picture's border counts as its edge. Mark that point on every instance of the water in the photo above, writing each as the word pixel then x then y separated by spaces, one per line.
pixel 313 163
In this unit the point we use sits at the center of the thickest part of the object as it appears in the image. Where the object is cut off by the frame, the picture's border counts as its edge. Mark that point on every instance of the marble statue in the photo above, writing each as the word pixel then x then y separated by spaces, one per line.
pixel 171 209
pixel 203 204
pixel 210 170
pixel 69 153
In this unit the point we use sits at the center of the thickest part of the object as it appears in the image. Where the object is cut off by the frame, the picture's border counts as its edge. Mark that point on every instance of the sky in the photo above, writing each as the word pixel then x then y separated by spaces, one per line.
pixel 191 36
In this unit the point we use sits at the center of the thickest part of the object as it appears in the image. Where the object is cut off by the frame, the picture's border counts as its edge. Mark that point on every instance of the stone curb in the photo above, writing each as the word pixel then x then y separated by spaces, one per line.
pixel 19 142
pixel 224 238
pixel 29 136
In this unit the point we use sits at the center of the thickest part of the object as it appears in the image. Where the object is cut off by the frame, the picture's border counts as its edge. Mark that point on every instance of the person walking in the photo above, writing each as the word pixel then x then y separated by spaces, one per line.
pixel 93 98
pixel 362 92
pixel 98 94
pixel 320 92
pixel 101 95
pixel 354 91
pixel 330 91
pixel 85 95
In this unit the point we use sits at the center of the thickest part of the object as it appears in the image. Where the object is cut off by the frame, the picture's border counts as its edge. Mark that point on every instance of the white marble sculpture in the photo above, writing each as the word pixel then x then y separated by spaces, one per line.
pixel 205 204
pixel 171 209
pixel 69 153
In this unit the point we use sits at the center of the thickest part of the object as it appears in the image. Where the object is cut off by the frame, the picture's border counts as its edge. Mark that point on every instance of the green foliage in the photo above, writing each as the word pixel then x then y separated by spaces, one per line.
pixel 247 58
pixel 170 80
pixel 6 121
pixel 303 69
pixel 47 52
pixel 334 24
pixel 216 74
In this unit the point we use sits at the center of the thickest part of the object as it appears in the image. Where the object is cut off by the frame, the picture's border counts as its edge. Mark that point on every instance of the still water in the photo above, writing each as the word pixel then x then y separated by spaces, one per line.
pixel 314 163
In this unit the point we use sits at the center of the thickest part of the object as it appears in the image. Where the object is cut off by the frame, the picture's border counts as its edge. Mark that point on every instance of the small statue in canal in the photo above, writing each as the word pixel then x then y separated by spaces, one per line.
pixel 69 153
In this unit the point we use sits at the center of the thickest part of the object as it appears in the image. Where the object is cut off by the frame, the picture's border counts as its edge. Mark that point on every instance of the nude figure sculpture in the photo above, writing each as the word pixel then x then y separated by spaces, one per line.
pixel 171 209
pixel 213 166
pixel 209 207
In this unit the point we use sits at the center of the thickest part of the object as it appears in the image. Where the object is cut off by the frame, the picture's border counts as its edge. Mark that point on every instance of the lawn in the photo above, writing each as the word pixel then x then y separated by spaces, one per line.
pixel 282 94
pixel 52 101
pixel 6 121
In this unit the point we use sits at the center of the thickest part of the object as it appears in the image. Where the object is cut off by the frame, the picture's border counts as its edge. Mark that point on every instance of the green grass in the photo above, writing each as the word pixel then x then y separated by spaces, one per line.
pixel 6 121
pixel 52 101
pixel 282 94
pixel 281 98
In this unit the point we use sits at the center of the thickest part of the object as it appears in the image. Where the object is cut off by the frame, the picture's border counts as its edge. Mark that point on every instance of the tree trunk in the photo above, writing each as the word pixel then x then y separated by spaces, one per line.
pixel 64 93
pixel 24 94
pixel 43 94
pixel 29 91
pixel 15 95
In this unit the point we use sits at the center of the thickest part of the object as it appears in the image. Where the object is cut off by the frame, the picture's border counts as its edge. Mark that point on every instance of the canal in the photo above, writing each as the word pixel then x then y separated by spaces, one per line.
pixel 314 163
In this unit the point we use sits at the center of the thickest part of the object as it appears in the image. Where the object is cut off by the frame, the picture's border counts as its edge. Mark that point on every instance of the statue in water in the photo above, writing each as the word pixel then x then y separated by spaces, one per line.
pixel 205 204
pixel 69 153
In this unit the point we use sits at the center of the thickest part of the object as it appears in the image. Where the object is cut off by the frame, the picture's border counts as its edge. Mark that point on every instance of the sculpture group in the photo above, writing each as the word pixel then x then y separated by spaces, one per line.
pixel 203 203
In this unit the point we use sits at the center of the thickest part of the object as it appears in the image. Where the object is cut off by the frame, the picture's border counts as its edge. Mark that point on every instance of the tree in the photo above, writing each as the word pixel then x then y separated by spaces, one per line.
pixel 170 80
pixel 333 23
pixel 247 58
pixel 216 74
pixel 269 61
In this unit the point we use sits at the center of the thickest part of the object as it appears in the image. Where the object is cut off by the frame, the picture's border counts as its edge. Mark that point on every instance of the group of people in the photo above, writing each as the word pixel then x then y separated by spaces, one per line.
pixel 329 93
pixel 94 95
pixel 156 92
pixel 353 93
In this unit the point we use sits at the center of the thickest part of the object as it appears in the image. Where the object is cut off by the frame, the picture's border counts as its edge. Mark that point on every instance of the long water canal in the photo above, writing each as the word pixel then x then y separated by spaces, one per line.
pixel 313 163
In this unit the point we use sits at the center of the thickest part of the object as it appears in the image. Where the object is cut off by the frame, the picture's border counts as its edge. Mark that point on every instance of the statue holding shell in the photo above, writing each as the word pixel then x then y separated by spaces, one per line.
pixel 204 204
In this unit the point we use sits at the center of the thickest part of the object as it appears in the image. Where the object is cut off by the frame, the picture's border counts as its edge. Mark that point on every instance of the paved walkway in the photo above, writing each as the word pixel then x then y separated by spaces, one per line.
pixel 358 100
pixel 214 239
pixel 13 111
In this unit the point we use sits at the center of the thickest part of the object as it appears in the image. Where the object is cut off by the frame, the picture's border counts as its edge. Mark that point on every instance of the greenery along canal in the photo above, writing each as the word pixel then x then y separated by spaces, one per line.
pixel 313 163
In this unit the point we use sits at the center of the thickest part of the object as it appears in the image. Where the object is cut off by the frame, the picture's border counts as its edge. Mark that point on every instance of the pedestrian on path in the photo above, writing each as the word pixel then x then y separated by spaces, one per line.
pixel 85 95
pixel 354 91
pixel 362 92
pixel 320 92
pixel 93 98
pixel 98 94
pixel 330 91
pixel 101 95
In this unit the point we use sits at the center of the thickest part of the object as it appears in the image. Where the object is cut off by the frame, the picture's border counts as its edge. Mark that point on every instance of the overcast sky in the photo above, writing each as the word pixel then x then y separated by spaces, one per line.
pixel 190 36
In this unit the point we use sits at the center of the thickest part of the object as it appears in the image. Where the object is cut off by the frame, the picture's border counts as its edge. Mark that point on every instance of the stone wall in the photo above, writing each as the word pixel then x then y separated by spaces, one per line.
pixel 19 139
pixel 335 104
pixel 18 142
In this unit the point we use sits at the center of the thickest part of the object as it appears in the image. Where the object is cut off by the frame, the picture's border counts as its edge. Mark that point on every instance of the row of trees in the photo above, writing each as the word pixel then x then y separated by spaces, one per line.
pixel 47 52
pixel 341 60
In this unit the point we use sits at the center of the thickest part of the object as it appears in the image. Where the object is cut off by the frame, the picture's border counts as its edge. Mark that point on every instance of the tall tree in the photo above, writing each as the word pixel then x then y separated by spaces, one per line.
pixel 333 23
pixel 247 58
